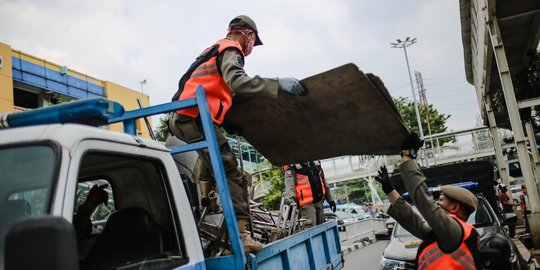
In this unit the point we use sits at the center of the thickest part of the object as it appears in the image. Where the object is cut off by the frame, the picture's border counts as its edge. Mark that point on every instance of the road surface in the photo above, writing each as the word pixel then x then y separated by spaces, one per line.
pixel 367 257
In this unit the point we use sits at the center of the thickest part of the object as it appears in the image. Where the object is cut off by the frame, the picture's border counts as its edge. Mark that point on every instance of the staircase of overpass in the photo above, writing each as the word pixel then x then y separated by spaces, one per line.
pixel 442 148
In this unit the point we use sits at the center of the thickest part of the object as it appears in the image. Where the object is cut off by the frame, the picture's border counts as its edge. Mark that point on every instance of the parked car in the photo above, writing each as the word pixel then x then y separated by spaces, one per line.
pixel 354 209
pixel 400 253
pixel 343 219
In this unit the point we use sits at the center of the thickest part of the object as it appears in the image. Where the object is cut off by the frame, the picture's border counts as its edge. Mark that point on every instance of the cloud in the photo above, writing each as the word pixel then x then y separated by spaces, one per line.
pixel 128 41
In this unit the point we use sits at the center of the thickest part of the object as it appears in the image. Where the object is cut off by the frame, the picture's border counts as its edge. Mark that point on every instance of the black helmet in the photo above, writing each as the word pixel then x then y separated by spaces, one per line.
pixel 495 251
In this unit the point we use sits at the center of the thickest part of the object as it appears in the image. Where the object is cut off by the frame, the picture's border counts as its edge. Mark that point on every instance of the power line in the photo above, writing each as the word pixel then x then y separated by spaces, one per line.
pixel 424 102
pixel 444 83
pixel 462 96
pixel 446 76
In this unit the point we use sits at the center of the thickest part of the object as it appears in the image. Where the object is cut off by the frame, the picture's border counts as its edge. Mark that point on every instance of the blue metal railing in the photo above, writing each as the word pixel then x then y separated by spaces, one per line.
pixel 238 260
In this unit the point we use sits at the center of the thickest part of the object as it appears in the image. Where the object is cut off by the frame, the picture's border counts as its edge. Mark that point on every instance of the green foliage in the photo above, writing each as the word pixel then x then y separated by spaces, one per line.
pixel 354 191
pixel 359 192
pixel 437 121
pixel 380 191
pixel 526 85
pixel 276 179
pixel 163 129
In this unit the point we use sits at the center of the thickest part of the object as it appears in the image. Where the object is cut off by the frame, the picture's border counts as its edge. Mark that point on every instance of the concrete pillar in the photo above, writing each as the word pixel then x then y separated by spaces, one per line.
pixel 534 150
pixel 515 122
pixel 497 144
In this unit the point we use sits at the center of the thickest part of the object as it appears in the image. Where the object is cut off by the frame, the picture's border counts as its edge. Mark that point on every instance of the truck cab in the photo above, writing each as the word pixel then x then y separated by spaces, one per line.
pixel 48 167
pixel 50 161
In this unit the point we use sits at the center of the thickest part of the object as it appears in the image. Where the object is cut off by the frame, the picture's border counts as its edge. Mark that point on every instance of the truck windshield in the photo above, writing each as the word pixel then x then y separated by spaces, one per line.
pixel 26 177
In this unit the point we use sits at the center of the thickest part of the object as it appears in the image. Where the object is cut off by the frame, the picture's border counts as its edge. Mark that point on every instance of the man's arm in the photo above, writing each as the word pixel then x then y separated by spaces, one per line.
pixel 232 70
pixel 81 220
pixel 400 210
pixel 447 229
pixel 328 194
pixel 290 180
pixel 505 199
pixel 403 213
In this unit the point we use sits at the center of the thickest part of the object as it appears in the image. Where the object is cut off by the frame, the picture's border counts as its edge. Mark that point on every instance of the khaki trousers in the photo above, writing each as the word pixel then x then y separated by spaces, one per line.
pixel 313 213
pixel 190 130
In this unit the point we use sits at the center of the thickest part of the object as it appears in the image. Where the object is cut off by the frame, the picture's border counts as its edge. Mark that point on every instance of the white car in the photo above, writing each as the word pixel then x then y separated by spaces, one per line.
pixel 354 209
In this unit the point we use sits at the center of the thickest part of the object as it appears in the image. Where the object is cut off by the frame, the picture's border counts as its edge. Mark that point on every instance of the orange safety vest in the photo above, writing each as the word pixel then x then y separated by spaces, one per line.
pixel 431 257
pixel 309 189
pixel 207 74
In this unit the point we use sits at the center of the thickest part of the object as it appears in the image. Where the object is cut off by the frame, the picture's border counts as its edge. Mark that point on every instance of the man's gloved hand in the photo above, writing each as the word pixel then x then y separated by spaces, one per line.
pixel 98 195
pixel 332 206
pixel 291 86
pixel 411 145
pixel 384 179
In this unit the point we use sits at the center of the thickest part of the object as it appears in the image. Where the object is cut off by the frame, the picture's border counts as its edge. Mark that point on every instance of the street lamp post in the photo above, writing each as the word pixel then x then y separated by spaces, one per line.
pixel 143 82
pixel 404 44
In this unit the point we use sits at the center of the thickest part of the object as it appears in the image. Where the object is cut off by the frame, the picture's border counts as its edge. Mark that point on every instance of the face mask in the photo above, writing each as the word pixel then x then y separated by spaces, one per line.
pixel 249 39
pixel 250 42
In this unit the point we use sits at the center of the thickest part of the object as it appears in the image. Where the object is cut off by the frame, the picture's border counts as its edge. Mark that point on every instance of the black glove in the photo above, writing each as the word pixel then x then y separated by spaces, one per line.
pixel 332 206
pixel 411 145
pixel 384 179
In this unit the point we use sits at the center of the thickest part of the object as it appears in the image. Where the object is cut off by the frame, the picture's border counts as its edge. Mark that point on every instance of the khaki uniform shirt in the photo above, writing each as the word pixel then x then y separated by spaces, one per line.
pixel 290 185
pixel 447 230
pixel 232 71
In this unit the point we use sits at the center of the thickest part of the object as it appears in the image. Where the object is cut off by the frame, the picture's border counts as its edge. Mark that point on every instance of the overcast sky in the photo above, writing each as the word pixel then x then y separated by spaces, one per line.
pixel 128 41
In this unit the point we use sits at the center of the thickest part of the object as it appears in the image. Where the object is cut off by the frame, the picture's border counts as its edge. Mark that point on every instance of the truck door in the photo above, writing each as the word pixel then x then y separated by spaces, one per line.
pixel 27 180
pixel 143 223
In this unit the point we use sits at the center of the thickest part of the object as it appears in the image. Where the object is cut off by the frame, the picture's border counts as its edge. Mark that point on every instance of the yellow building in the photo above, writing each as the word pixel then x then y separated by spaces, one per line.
pixel 29 82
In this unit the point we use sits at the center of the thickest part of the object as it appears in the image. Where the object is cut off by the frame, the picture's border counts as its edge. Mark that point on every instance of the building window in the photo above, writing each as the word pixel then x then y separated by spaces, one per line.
pixel 25 99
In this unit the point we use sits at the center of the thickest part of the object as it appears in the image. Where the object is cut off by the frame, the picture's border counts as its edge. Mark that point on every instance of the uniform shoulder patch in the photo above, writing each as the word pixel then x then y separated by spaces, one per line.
pixel 239 60
pixel 289 172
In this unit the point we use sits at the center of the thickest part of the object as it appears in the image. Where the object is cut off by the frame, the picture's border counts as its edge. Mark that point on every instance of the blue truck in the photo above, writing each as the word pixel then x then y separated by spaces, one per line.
pixel 50 155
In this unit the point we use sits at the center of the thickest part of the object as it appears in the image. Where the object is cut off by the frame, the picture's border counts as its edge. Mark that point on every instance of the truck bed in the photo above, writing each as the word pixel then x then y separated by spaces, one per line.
pixel 315 248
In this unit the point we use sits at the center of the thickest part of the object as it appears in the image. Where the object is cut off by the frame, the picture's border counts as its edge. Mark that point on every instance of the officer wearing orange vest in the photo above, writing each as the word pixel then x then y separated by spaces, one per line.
pixel 220 70
pixel 448 241
pixel 305 184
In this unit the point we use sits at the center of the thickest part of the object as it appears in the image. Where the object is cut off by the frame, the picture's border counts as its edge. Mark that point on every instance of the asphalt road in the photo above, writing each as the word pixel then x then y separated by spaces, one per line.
pixel 367 257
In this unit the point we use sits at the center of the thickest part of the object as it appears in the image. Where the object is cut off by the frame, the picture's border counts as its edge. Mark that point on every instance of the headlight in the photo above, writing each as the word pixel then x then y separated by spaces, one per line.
pixel 388 264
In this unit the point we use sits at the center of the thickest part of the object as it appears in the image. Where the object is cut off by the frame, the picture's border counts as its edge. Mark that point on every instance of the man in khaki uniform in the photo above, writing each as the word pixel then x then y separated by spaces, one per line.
pixel 306 185
pixel 220 70
pixel 448 241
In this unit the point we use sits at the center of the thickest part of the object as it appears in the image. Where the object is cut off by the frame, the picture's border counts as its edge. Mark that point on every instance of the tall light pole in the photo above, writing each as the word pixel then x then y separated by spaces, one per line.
pixel 143 82
pixel 404 44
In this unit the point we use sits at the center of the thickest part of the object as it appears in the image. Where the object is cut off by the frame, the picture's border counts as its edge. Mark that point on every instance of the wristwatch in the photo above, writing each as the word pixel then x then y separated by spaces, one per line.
pixel 409 152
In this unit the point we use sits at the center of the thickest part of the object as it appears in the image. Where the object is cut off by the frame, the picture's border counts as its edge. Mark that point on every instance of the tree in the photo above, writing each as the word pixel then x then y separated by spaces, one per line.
pixel 359 191
pixel 526 85
pixel 437 121
pixel 276 180
pixel 354 191
pixel 163 129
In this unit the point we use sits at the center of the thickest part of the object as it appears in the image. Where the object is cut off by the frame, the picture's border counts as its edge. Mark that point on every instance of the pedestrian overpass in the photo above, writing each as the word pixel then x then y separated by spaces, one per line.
pixel 442 148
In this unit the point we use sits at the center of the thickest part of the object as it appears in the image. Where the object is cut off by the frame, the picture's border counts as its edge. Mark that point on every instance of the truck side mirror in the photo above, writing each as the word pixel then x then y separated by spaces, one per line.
pixel 41 243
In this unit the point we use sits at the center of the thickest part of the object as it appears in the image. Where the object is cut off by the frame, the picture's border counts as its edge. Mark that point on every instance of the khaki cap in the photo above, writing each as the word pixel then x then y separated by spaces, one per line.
pixel 244 21
pixel 460 195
